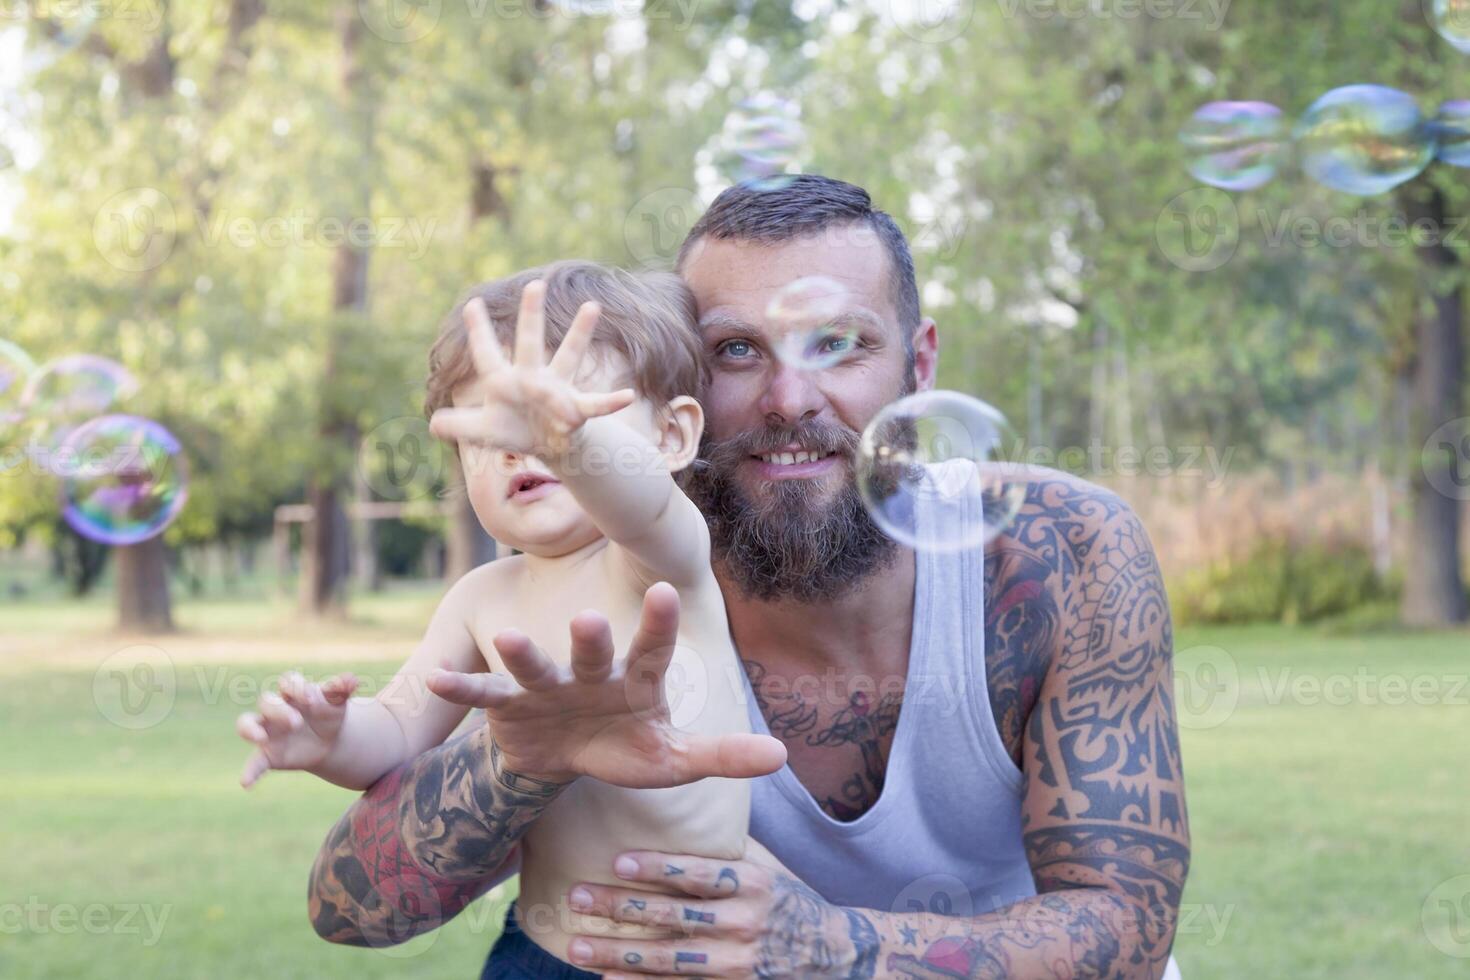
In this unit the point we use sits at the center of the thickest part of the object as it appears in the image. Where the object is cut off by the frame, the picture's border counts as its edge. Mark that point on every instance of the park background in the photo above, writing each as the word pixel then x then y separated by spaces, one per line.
pixel 175 179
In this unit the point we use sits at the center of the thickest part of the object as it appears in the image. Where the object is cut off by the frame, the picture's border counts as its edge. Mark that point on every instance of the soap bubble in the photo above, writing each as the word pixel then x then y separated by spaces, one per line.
pixel 761 139
pixel 16 367
pixel 1451 18
pixel 64 393
pixel 1364 139
pixel 124 479
pixel 928 473
pixel 1235 146
pixel 1452 130
pixel 805 317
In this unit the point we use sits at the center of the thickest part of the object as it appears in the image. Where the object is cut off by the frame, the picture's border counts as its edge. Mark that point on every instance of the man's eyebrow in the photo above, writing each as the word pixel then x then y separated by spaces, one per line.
pixel 731 323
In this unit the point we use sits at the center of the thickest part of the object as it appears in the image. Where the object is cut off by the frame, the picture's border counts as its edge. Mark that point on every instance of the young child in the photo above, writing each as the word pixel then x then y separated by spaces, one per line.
pixel 569 464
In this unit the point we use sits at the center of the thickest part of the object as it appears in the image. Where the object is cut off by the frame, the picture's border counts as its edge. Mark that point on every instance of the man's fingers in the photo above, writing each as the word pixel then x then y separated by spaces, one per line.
pixel 669 957
pixel 531 326
pixel 472 690
pixel 531 668
pixel 594 404
pixel 679 916
pixel 568 356
pixel 255 767
pixel 592 647
pixel 484 348
pixel 686 874
pixel 459 425
pixel 737 756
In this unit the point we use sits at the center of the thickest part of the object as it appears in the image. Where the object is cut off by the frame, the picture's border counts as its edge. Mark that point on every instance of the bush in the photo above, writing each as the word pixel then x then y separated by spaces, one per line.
pixel 1280 582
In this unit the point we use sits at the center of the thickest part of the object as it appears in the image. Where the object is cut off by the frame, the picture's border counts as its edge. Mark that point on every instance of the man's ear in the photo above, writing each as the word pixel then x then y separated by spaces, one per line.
pixel 926 354
pixel 681 423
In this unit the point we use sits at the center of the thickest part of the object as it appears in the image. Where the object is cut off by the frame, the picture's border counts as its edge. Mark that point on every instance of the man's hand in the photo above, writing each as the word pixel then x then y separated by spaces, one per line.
pixel 749 918
pixel 530 407
pixel 599 718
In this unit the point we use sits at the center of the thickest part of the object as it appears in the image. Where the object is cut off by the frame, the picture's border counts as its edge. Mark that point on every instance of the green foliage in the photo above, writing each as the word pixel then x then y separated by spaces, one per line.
pixel 1280 582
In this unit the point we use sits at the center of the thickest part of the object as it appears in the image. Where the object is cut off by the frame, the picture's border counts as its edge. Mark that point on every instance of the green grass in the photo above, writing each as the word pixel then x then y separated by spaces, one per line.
pixel 1320 829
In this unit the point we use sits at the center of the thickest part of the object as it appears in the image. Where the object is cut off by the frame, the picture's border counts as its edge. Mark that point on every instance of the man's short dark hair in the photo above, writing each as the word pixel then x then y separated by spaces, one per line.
pixel 803 205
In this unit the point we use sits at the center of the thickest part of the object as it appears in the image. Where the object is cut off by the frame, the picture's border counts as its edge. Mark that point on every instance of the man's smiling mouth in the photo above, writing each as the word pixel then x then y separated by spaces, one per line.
pixel 791 459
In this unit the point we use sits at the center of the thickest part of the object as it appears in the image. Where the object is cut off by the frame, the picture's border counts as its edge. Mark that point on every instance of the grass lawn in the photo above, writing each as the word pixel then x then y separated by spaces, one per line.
pixel 1326 805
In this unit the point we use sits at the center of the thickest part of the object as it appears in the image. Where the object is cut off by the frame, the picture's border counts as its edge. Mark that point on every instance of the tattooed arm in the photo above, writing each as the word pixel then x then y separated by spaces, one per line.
pixel 422 843
pixel 1082 650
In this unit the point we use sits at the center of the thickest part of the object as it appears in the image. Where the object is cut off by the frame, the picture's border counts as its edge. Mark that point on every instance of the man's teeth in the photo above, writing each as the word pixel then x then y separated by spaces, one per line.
pixel 791 459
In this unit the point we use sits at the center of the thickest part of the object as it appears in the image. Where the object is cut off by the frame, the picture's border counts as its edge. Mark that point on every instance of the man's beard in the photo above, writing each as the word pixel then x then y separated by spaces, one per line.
pixel 789 544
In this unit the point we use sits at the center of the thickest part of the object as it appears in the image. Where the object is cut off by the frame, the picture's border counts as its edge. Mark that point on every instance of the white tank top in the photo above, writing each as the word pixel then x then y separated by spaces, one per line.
pixel 945 833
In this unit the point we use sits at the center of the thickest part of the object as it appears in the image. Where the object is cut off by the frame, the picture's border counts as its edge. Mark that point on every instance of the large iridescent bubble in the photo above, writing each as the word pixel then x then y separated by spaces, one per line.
pixel 16 368
pixel 68 391
pixel 1364 139
pixel 1236 146
pixel 123 479
pixel 1452 131
pixel 760 141
pixel 808 327
pixel 929 472
pixel 1451 18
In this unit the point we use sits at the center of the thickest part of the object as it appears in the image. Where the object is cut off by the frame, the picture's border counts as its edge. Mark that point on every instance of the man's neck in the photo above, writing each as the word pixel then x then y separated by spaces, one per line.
pixel 863 629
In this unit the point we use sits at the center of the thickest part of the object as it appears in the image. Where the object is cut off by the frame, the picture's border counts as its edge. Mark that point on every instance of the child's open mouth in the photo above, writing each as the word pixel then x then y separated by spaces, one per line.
pixel 526 487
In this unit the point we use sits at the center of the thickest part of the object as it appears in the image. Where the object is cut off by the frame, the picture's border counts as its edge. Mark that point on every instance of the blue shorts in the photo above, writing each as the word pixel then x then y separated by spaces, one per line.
pixel 515 956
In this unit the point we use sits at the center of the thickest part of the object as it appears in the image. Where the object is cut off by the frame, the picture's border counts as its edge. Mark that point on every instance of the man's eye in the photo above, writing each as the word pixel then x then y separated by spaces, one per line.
pixel 735 348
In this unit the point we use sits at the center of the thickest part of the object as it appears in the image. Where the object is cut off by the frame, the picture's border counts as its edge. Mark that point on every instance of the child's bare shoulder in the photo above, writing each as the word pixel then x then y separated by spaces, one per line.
pixel 483 584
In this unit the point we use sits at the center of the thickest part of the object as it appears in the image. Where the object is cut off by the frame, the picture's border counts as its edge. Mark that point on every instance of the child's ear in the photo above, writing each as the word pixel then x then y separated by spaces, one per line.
pixel 681 425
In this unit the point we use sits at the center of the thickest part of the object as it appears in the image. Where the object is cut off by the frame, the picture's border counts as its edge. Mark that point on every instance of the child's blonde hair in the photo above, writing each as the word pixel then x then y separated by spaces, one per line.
pixel 648 318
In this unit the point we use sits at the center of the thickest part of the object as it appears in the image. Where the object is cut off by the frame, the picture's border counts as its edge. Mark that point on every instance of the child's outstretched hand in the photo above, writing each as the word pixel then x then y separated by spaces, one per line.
pixel 296 728
pixel 531 407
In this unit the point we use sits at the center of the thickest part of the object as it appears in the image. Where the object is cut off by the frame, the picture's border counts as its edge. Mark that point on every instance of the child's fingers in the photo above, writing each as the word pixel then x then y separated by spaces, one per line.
pixel 531 326
pixel 459 425
pixel 338 689
pixel 298 692
pixel 484 348
pixel 595 404
pixel 527 663
pixel 249 727
pixel 472 690
pixel 574 345
pixel 279 717
pixel 255 767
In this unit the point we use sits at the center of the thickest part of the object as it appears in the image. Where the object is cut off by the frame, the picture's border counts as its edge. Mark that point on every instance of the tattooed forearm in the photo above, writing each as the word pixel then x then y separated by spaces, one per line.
pixel 423 843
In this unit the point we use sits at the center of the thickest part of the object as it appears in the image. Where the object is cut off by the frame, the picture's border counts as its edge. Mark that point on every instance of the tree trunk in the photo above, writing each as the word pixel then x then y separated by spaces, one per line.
pixel 325 552
pixel 365 567
pixel 1434 590
pixel 466 545
pixel 142 587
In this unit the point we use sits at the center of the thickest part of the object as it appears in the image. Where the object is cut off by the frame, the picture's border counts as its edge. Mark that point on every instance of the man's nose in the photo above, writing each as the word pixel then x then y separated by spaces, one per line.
pixel 791 397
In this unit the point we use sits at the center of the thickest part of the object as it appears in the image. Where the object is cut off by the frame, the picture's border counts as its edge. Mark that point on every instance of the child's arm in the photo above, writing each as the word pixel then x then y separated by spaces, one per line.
pixel 618 476
pixel 354 741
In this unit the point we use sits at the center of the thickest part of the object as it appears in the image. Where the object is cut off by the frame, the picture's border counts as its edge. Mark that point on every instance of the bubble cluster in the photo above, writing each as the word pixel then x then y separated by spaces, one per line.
pixel 807 325
pixel 1451 18
pixel 1452 131
pixel 1236 146
pixel 1364 139
pixel 929 474
pixel 63 393
pixel 761 139
pixel 124 479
